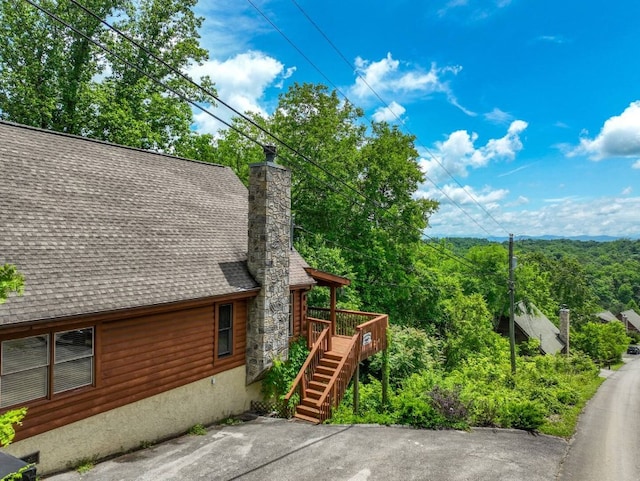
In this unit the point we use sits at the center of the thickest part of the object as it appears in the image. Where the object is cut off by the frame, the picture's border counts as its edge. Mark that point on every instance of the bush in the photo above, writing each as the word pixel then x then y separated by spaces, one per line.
pixel 277 381
pixel 527 415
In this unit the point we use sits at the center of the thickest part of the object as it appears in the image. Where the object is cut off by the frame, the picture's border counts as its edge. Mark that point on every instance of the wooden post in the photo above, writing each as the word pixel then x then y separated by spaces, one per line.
pixel 512 332
pixel 385 377
pixel 356 390
pixel 332 314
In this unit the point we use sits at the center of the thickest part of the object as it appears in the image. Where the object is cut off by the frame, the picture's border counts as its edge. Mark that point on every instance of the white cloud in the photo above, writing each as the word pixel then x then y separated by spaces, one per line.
pixel 458 153
pixel 391 113
pixel 241 82
pixel 636 164
pixel 615 216
pixel 627 191
pixel 498 116
pixel 389 77
pixel 619 137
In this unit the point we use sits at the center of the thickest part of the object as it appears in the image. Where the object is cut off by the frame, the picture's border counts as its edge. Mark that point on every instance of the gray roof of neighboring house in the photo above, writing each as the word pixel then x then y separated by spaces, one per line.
pixel 606 316
pixel 633 317
pixel 97 227
pixel 537 326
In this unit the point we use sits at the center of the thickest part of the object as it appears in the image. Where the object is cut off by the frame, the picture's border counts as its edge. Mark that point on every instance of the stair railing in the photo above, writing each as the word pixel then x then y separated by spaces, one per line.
pixel 305 374
pixel 340 379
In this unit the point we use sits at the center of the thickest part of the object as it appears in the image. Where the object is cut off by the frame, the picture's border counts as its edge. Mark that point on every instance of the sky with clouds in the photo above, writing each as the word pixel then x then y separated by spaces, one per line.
pixel 526 112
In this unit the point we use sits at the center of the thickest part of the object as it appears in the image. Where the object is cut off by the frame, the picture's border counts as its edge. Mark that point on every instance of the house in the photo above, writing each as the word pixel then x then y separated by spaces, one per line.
pixel 631 320
pixel 530 323
pixel 606 316
pixel 158 290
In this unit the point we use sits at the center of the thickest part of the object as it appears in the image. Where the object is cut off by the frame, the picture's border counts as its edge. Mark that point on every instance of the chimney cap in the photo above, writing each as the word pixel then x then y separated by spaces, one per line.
pixel 270 152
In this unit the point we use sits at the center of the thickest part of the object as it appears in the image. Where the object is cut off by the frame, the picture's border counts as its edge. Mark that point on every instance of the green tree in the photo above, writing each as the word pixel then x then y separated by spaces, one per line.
pixel 10 281
pixel 604 343
pixel 54 78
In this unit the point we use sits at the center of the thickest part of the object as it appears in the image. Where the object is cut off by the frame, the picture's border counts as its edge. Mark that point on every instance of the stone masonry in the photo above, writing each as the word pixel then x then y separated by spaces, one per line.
pixel 268 261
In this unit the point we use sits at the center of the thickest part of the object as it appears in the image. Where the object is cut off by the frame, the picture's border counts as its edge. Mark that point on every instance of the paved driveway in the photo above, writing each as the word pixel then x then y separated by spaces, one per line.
pixel 273 449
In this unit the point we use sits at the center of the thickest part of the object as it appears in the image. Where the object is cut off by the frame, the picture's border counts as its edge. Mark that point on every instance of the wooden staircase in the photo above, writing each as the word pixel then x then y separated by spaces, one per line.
pixel 318 387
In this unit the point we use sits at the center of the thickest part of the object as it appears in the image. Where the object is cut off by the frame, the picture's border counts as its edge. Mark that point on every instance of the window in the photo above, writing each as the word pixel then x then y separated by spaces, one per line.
pixel 29 370
pixel 225 330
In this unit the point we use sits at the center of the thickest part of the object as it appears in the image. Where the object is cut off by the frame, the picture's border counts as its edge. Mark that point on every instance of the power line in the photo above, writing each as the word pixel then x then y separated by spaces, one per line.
pixel 129 64
pixel 243 116
pixel 207 91
pixel 280 31
pixel 377 95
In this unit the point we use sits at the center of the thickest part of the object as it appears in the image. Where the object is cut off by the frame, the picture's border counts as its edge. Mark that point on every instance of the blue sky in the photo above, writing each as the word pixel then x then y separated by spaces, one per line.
pixel 528 108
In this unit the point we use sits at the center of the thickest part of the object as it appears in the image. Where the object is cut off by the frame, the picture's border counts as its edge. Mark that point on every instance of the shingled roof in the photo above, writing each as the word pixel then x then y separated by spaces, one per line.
pixel 632 317
pixel 537 326
pixel 97 227
pixel 606 316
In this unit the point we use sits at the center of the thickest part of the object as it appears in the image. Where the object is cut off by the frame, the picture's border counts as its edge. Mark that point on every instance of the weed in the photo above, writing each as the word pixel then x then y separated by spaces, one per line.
pixel 197 430
pixel 145 444
pixel 85 465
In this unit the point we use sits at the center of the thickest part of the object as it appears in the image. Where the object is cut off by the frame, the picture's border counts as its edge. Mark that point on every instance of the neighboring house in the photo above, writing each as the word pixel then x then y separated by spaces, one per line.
pixel 158 290
pixel 606 316
pixel 532 324
pixel 631 320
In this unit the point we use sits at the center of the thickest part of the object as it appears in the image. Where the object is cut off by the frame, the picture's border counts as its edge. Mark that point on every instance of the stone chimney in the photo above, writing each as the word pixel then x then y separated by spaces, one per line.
pixel 268 263
pixel 564 327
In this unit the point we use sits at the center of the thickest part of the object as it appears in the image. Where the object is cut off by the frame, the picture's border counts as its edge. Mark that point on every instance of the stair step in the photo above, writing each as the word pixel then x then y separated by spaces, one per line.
pixel 308 411
pixel 316 386
pixel 324 378
pixel 306 418
pixel 333 355
pixel 332 363
pixel 312 393
pixel 309 402
pixel 325 370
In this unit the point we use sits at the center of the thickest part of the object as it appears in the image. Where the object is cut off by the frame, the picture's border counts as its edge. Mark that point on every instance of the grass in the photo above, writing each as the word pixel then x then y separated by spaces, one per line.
pixel 85 465
pixel 564 425
pixel 197 430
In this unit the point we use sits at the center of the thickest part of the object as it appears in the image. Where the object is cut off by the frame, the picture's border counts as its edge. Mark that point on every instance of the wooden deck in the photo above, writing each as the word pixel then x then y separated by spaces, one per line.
pixel 340 345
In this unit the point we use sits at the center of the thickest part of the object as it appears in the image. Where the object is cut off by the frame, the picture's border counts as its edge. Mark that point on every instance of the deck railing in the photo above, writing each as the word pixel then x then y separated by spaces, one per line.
pixel 340 379
pixel 301 381
pixel 346 321
pixel 373 336
pixel 314 328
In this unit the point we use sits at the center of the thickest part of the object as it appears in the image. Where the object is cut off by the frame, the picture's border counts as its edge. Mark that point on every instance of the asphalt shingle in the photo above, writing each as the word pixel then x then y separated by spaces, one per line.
pixel 97 227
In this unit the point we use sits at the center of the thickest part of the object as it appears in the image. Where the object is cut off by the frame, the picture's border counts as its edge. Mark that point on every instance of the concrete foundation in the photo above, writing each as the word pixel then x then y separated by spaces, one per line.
pixel 161 416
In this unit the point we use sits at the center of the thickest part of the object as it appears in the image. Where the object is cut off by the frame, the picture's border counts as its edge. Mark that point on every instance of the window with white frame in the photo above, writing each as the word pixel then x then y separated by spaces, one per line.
pixel 29 369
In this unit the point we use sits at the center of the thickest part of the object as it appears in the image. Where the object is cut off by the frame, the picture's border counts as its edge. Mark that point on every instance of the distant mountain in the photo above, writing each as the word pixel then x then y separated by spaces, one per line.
pixel 585 238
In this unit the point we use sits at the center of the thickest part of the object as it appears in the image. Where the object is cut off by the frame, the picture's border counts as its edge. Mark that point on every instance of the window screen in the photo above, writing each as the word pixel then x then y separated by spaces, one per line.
pixel 73 354
pixel 24 374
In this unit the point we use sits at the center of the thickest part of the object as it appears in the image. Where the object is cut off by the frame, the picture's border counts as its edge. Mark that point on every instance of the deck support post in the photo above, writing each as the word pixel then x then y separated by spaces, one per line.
pixel 356 390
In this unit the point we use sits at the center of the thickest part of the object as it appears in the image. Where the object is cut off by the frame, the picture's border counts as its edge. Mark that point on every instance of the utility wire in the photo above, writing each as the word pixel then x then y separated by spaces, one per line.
pixel 208 92
pixel 146 74
pixel 277 29
pixel 243 116
pixel 386 105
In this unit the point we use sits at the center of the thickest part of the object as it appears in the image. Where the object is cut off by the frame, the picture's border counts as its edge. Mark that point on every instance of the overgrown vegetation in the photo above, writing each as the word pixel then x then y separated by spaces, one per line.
pixel 278 380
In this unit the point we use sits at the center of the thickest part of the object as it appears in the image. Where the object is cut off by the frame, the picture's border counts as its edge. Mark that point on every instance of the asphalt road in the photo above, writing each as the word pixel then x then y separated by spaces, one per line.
pixel 606 446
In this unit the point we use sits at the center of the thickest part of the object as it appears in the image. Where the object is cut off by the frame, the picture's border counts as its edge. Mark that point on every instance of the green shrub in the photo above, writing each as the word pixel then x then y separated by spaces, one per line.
pixel 277 381
pixel 527 415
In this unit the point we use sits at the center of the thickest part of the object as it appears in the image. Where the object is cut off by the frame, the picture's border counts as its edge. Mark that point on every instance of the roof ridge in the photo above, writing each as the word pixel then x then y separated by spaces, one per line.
pixel 104 142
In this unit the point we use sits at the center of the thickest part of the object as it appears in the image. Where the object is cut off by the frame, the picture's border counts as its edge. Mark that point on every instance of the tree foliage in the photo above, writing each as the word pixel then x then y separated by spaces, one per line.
pixel 54 78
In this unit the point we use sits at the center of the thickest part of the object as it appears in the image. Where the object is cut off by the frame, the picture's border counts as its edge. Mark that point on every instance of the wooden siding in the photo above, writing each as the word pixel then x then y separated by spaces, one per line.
pixel 140 357
pixel 299 313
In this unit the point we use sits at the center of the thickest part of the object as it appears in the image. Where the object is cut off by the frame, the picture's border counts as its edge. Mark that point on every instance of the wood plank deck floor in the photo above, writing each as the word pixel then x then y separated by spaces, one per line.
pixel 340 344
